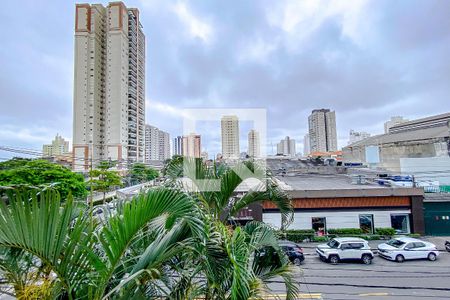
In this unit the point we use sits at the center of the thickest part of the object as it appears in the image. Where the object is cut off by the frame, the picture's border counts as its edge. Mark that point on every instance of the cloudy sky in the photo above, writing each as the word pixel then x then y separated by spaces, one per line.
pixel 367 60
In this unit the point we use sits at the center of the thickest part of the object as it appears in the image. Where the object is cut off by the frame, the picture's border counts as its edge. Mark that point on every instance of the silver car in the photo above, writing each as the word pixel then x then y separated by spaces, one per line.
pixel 405 248
pixel 345 249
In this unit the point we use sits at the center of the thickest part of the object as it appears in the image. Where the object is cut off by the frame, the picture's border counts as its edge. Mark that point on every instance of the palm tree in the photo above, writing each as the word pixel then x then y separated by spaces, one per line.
pixel 166 243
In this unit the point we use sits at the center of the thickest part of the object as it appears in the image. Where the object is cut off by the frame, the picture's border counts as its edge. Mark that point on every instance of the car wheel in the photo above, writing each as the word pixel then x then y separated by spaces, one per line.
pixel 366 259
pixel 297 261
pixel 399 258
pixel 334 260
pixel 432 256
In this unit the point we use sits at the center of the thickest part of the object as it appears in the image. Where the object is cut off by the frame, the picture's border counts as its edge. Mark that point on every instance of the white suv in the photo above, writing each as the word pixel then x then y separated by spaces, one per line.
pixel 341 249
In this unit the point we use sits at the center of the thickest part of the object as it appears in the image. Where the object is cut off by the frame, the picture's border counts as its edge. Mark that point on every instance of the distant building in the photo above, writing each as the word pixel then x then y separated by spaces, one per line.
pixel 59 146
pixel 356 136
pixel 192 145
pixel 157 144
pixel 419 147
pixel 109 85
pixel 394 121
pixel 204 155
pixel 286 147
pixel 306 147
pixel 230 137
pixel 164 145
pixel 322 131
pixel 178 145
pixel 253 144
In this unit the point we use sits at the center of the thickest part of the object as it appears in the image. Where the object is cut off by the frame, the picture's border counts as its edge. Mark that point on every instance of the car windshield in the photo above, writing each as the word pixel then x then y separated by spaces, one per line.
pixel 333 244
pixel 395 243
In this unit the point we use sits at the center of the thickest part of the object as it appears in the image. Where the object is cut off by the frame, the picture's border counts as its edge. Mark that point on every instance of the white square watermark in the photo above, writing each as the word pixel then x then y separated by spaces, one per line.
pixel 251 179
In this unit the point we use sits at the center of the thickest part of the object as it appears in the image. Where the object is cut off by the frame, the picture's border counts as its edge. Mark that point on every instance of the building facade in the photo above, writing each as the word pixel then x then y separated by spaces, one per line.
pixel 419 147
pixel 109 85
pixel 322 131
pixel 253 144
pixel 286 147
pixel 192 145
pixel 356 136
pixel 230 137
pixel 157 144
pixel 164 145
pixel 58 147
pixel 178 145
pixel 306 146
pixel 394 121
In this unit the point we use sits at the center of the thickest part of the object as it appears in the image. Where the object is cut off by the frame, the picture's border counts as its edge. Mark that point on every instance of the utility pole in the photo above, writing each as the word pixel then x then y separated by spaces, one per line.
pixel 91 196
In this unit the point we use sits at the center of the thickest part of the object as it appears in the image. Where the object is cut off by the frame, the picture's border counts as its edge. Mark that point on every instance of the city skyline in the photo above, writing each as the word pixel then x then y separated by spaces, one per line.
pixel 303 60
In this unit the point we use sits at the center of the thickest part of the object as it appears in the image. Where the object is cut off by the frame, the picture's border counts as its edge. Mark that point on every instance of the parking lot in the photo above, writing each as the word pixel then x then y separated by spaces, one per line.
pixel 383 279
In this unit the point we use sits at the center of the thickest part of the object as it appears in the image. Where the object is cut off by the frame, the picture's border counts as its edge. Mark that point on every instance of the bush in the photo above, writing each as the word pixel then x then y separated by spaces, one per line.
pixel 319 239
pixel 414 235
pixel 345 231
pixel 296 236
pixel 386 231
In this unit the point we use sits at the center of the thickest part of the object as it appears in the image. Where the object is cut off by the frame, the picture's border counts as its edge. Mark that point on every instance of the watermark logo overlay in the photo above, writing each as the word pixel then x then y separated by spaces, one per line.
pixel 254 178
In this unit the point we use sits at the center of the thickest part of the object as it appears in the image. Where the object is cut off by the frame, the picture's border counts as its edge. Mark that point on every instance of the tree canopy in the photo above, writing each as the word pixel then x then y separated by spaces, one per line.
pixel 140 173
pixel 38 172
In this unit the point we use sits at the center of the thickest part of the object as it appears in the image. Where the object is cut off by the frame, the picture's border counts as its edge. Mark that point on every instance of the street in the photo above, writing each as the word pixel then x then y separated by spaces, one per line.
pixel 383 279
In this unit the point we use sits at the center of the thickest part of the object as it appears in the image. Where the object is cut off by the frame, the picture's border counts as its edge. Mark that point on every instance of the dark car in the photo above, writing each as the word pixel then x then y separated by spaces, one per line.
pixel 447 246
pixel 293 252
pixel 268 256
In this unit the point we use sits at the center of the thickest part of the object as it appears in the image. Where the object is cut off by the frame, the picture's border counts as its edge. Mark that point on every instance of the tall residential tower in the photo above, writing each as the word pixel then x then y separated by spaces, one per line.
pixel 109 85
pixel 253 144
pixel 322 131
pixel 230 137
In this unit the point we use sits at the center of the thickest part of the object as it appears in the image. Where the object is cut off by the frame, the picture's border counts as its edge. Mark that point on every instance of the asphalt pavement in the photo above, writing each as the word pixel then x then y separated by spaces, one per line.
pixel 383 279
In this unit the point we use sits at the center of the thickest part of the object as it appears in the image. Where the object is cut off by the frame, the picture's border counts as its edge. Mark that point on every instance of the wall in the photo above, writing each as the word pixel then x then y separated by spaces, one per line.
pixel 431 168
pixel 335 219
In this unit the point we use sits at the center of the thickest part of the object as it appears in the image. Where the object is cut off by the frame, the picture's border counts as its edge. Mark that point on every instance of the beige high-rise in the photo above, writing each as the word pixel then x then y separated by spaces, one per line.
pixel 230 137
pixel 322 131
pixel 253 144
pixel 192 145
pixel 109 85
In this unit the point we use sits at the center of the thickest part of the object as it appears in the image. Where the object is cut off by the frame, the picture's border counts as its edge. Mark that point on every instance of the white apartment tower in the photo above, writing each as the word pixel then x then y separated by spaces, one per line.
pixel 322 131
pixel 253 144
pixel 151 143
pixel 230 137
pixel 109 85
pixel 157 144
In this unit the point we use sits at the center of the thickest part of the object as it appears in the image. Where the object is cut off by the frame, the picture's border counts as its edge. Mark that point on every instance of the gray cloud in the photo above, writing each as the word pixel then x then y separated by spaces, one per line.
pixel 370 62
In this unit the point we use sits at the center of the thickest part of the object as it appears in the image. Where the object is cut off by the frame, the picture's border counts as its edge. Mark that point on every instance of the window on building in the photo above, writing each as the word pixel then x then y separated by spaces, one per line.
pixel 366 223
pixel 319 225
pixel 400 222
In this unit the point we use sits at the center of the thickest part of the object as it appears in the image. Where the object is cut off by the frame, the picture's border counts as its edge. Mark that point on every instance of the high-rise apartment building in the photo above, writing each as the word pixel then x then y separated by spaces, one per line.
pixel 178 145
pixel 322 131
pixel 396 120
pixel 230 137
pixel 109 84
pixel 356 136
pixel 192 145
pixel 286 147
pixel 59 146
pixel 157 144
pixel 306 147
pixel 253 144
pixel 164 145
pixel 151 143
